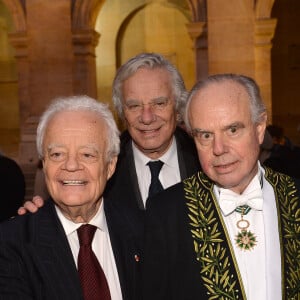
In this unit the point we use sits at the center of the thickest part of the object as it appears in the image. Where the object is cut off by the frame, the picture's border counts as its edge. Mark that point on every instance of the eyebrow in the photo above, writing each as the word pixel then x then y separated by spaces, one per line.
pixel 235 124
pixel 154 99
pixel 51 146
pixel 199 130
pixel 89 146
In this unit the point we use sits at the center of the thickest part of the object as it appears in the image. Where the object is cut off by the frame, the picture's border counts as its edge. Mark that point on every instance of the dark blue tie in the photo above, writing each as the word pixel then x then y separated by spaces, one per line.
pixel 155 185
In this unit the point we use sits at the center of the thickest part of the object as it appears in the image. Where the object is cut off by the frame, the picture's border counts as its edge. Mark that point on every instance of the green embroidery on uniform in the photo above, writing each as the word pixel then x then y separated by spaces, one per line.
pixel 210 245
pixel 286 195
pixel 211 252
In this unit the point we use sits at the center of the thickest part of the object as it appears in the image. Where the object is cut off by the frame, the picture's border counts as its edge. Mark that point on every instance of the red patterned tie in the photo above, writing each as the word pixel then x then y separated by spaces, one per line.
pixel 92 277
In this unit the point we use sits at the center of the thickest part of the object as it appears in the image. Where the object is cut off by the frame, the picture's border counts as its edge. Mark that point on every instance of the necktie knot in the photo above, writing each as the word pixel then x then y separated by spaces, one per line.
pixel 86 234
pixel 252 197
pixel 155 167
pixel 155 185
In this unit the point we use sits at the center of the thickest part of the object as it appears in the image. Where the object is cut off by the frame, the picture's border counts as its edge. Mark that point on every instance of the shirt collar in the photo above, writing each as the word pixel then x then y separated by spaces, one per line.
pixel 99 220
pixel 168 158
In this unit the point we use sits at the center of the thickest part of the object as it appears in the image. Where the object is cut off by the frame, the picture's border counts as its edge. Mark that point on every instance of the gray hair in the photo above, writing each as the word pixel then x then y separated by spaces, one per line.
pixel 80 103
pixel 150 61
pixel 257 105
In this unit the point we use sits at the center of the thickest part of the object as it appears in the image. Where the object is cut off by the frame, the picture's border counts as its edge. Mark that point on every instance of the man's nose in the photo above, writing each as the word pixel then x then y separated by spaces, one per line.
pixel 219 144
pixel 147 114
pixel 72 163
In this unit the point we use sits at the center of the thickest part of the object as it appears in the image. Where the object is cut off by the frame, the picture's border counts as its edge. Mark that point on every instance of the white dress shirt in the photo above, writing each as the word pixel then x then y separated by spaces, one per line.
pixel 101 246
pixel 169 173
pixel 260 268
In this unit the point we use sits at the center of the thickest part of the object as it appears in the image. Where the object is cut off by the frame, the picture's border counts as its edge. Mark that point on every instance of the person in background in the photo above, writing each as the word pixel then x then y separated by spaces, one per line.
pixel 53 253
pixel 149 95
pixel 277 134
pixel 12 186
pixel 266 147
pixel 284 156
pixel 231 231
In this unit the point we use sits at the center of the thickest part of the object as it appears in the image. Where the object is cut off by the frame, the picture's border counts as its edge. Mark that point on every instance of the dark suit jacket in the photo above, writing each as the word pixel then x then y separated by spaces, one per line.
pixel 187 254
pixel 123 186
pixel 36 261
pixel 12 186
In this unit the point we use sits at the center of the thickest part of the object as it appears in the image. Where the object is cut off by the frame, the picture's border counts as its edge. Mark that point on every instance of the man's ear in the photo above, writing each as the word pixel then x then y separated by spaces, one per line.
pixel 261 127
pixel 112 167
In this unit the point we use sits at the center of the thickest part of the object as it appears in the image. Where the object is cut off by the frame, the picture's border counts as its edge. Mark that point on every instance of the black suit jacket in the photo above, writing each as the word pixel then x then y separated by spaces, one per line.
pixel 12 187
pixel 36 261
pixel 123 186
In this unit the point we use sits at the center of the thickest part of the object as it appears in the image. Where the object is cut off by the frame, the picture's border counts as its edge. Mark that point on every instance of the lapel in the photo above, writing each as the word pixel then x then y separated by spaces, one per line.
pixel 215 256
pixel 287 201
pixel 126 173
pixel 51 249
pixel 125 231
pixel 187 154
pixel 129 167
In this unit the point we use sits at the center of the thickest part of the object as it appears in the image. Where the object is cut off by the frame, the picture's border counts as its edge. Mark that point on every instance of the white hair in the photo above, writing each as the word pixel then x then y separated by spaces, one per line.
pixel 80 103
pixel 257 106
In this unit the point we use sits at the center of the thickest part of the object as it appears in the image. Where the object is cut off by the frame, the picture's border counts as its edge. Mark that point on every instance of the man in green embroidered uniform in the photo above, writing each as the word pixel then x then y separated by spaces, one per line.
pixel 231 231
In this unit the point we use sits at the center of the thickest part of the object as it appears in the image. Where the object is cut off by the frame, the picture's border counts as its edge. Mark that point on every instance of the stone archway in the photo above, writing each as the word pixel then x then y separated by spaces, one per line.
pixel 85 12
pixel 18 14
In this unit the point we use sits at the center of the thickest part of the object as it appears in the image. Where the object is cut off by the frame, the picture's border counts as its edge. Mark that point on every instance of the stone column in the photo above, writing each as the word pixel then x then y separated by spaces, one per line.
pixel 27 156
pixel 44 58
pixel 198 33
pixel 84 43
pixel 264 33
pixel 19 41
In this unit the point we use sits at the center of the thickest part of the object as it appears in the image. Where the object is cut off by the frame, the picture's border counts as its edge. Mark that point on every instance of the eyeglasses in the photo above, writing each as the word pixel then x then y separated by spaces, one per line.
pixel 156 105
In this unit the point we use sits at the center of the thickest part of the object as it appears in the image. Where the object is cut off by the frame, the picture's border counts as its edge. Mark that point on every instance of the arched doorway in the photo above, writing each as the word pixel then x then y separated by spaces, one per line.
pixel 127 29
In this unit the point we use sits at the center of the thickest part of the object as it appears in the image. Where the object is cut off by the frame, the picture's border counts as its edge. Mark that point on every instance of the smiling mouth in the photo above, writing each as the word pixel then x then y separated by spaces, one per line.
pixel 74 182
pixel 149 131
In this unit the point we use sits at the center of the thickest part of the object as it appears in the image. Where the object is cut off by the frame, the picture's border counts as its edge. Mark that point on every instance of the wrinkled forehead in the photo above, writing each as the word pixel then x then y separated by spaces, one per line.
pixel 219 99
pixel 75 119
pixel 223 92
pixel 84 125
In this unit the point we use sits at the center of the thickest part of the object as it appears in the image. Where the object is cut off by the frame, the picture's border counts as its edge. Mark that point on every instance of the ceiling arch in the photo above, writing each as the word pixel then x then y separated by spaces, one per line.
pixel 17 10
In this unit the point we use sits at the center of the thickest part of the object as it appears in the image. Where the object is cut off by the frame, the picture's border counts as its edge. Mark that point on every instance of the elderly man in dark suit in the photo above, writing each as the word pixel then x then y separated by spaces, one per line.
pixel 46 255
pixel 231 231
pixel 149 95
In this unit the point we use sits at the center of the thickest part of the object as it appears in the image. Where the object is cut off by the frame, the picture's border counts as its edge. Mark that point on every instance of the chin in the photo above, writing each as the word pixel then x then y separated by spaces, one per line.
pixel 71 200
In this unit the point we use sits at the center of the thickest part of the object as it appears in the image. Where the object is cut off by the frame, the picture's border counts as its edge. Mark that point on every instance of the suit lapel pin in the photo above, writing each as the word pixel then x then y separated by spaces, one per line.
pixel 137 258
